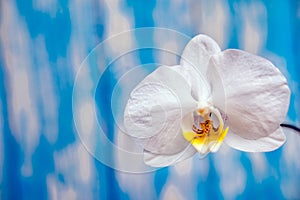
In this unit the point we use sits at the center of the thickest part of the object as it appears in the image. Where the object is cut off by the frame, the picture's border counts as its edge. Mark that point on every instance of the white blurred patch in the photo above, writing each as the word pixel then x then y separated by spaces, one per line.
pixel 86 117
pixel 201 167
pixel 171 192
pixel 82 34
pixel 184 168
pixel 174 15
pixel 84 164
pixel 259 165
pixel 118 22
pixel 137 186
pixel 49 99
pixel 85 111
pixel 211 18
pixel 57 190
pixel 254 21
pixel 124 62
pixel 76 167
pixel 290 166
pixel 23 117
pixel 126 143
pixel 74 160
pixel 169 54
pixel 185 176
pixel 47 6
pixel 231 172
pixel 120 47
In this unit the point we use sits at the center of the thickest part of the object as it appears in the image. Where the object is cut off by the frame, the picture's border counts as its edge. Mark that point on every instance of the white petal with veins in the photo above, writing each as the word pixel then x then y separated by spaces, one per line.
pixel 198 51
pixel 155 108
pixel 256 95
pixel 194 60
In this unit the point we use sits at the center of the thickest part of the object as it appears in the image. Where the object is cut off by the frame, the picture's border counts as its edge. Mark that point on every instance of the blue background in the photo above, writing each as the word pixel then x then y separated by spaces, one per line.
pixel 43 43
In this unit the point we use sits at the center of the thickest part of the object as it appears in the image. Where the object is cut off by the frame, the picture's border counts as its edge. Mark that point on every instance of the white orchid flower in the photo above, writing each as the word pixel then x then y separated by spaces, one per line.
pixel 211 97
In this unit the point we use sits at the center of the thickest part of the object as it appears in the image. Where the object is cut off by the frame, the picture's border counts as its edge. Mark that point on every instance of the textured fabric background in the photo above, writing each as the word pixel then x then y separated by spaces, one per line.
pixel 44 42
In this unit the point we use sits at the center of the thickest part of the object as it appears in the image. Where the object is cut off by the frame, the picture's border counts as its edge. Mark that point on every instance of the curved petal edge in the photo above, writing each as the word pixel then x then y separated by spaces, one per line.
pixel 264 144
pixel 163 160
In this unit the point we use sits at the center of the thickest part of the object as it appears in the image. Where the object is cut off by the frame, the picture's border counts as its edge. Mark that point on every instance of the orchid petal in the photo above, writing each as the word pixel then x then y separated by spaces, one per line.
pixel 263 144
pixel 198 51
pixel 251 91
pixel 200 89
pixel 162 160
pixel 195 60
pixel 155 108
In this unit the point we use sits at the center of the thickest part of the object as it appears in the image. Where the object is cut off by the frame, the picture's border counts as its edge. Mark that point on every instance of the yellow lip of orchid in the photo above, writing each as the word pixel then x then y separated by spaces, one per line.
pixel 202 135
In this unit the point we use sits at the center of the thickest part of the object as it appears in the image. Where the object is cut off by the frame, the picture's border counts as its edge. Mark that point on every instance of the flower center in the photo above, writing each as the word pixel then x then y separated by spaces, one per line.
pixel 206 133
